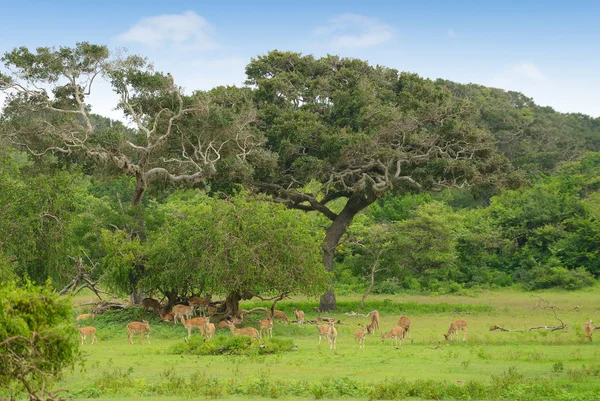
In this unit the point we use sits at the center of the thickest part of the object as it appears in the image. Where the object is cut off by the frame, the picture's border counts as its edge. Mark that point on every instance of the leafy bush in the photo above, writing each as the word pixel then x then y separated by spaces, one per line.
pixel 229 345
pixel 541 278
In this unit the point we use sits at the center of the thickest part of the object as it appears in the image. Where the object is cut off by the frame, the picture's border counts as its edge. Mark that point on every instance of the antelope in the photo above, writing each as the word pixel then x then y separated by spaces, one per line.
pixel 396 333
pixel 209 329
pixel 246 331
pixel 588 330
pixel 374 326
pixel 266 325
pixel 181 311
pixel 151 304
pixel 198 322
pixel 332 335
pixel 454 327
pixel 405 324
pixel 86 331
pixel 200 303
pixel 167 317
pixel 299 316
pixel 85 316
pixel 359 336
pixel 139 327
pixel 279 315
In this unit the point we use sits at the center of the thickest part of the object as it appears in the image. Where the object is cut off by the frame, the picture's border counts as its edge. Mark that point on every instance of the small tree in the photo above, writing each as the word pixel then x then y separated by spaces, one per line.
pixel 37 339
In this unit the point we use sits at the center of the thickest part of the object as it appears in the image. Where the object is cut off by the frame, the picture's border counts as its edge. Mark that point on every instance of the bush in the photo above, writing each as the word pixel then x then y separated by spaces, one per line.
pixel 540 278
pixel 228 345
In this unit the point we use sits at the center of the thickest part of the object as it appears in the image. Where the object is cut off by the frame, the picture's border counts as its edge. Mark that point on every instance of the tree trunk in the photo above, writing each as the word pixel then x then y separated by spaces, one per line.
pixel 333 235
pixel 140 188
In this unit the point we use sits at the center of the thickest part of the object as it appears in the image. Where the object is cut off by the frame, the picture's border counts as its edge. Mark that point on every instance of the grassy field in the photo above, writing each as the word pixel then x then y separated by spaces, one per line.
pixel 490 365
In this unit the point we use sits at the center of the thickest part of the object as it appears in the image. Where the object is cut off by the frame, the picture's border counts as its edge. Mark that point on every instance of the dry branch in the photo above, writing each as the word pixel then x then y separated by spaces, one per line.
pixel 496 327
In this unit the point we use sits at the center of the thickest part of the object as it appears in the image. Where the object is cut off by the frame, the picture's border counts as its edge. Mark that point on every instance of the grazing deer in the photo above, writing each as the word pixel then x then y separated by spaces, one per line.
pixel 181 311
pixel 405 324
pixel 85 316
pixel 167 317
pixel 589 329
pixel 266 325
pixel 396 333
pixel 374 326
pixel 86 331
pixel 299 317
pixel 209 329
pixel 246 331
pixel 360 335
pixel 201 304
pixel 279 315
pixel 198 322
pixel 151 304
pixel 139 327
pixel 454 327
pixel 332 335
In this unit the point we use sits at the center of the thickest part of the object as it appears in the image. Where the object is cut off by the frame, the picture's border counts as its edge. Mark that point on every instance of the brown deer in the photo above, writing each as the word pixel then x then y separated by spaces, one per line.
pixel 85 316
pixel 405 324
pixel 201 304
pixel 323 329
pixel 332 335
pixel 139 327
pixel 374 326
pixel 246 331
pixel 86 331
pixel 396 334
pixel 266 325
pixel 589 329
pixel 209 329
pixel 181 311
pixel 455 327
pixel 360 335
pixel 279 315
pixel 198 322
pixel 151 305
pixel 167 317
pixel 299 317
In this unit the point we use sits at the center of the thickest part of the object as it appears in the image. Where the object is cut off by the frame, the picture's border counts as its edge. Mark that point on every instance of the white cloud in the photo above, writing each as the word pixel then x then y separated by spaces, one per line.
pixel 187 30
pixel 451 32
pixel 354 30
pixel 519 77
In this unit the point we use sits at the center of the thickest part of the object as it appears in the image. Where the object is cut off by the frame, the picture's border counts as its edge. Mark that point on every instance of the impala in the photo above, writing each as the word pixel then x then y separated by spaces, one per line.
pixel 589 329
pixel 85 316
pixel 455 327
pixel 360 335
pixel 266 325
pixel 209 329
pixel 86 331
pixel 246 331
pixel 396 334
pixel 299 316
pixel 198 322
pixel 181 311
pixel 405 324
pixel 139 327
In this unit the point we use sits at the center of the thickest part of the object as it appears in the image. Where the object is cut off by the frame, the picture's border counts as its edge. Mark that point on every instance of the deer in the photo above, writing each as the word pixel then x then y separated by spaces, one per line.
pixel 266 325
pixel 454 327
pixel 396 334
pixel 299 317
pixel 405 324
pixel 167 317
pixel 589 329
pixel 181 311
pixel 139 327
pixel 209 329
pixel 151 304
pixel 332 335
pixel 85 316
pixel 86 331
pixel 374 326
pixel 279 315
pixel 246 331
pixel 323 325
pixel 198 322
pixel 201 304
pixel 360 335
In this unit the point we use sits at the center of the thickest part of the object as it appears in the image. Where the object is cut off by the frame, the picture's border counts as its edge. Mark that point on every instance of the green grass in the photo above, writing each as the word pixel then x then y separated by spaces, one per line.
pixel 490 365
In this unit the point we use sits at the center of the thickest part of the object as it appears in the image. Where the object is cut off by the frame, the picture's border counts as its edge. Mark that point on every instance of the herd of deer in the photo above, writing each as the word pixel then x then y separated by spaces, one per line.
pixel 326 327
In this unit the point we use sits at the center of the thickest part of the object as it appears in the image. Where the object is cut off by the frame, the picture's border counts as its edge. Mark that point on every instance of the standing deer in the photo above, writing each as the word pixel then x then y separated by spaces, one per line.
pixel 323 329
pixel 455 327
pixel 299 317
pixel 374 326
pixel 201 304
pixel 360 335
pixel 139 327
pixel 198 322
pixel 209 329
pixel 151 305
pixel 246 331
pixel 405 324
pixel 332 335
pixel 396 334
pixel 181 311
pixel 86 331
pixel 279 315
pixel 589 329
pixel 266 325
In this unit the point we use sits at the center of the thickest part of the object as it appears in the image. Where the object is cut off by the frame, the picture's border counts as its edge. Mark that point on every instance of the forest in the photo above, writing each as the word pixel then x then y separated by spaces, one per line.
pixel 319 176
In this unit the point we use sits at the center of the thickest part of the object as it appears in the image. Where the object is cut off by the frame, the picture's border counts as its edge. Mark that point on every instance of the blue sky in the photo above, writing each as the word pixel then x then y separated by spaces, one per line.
pixel 549 50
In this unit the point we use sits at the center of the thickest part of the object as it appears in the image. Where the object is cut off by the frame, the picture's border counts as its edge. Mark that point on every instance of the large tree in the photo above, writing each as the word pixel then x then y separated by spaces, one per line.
pixel 341 130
